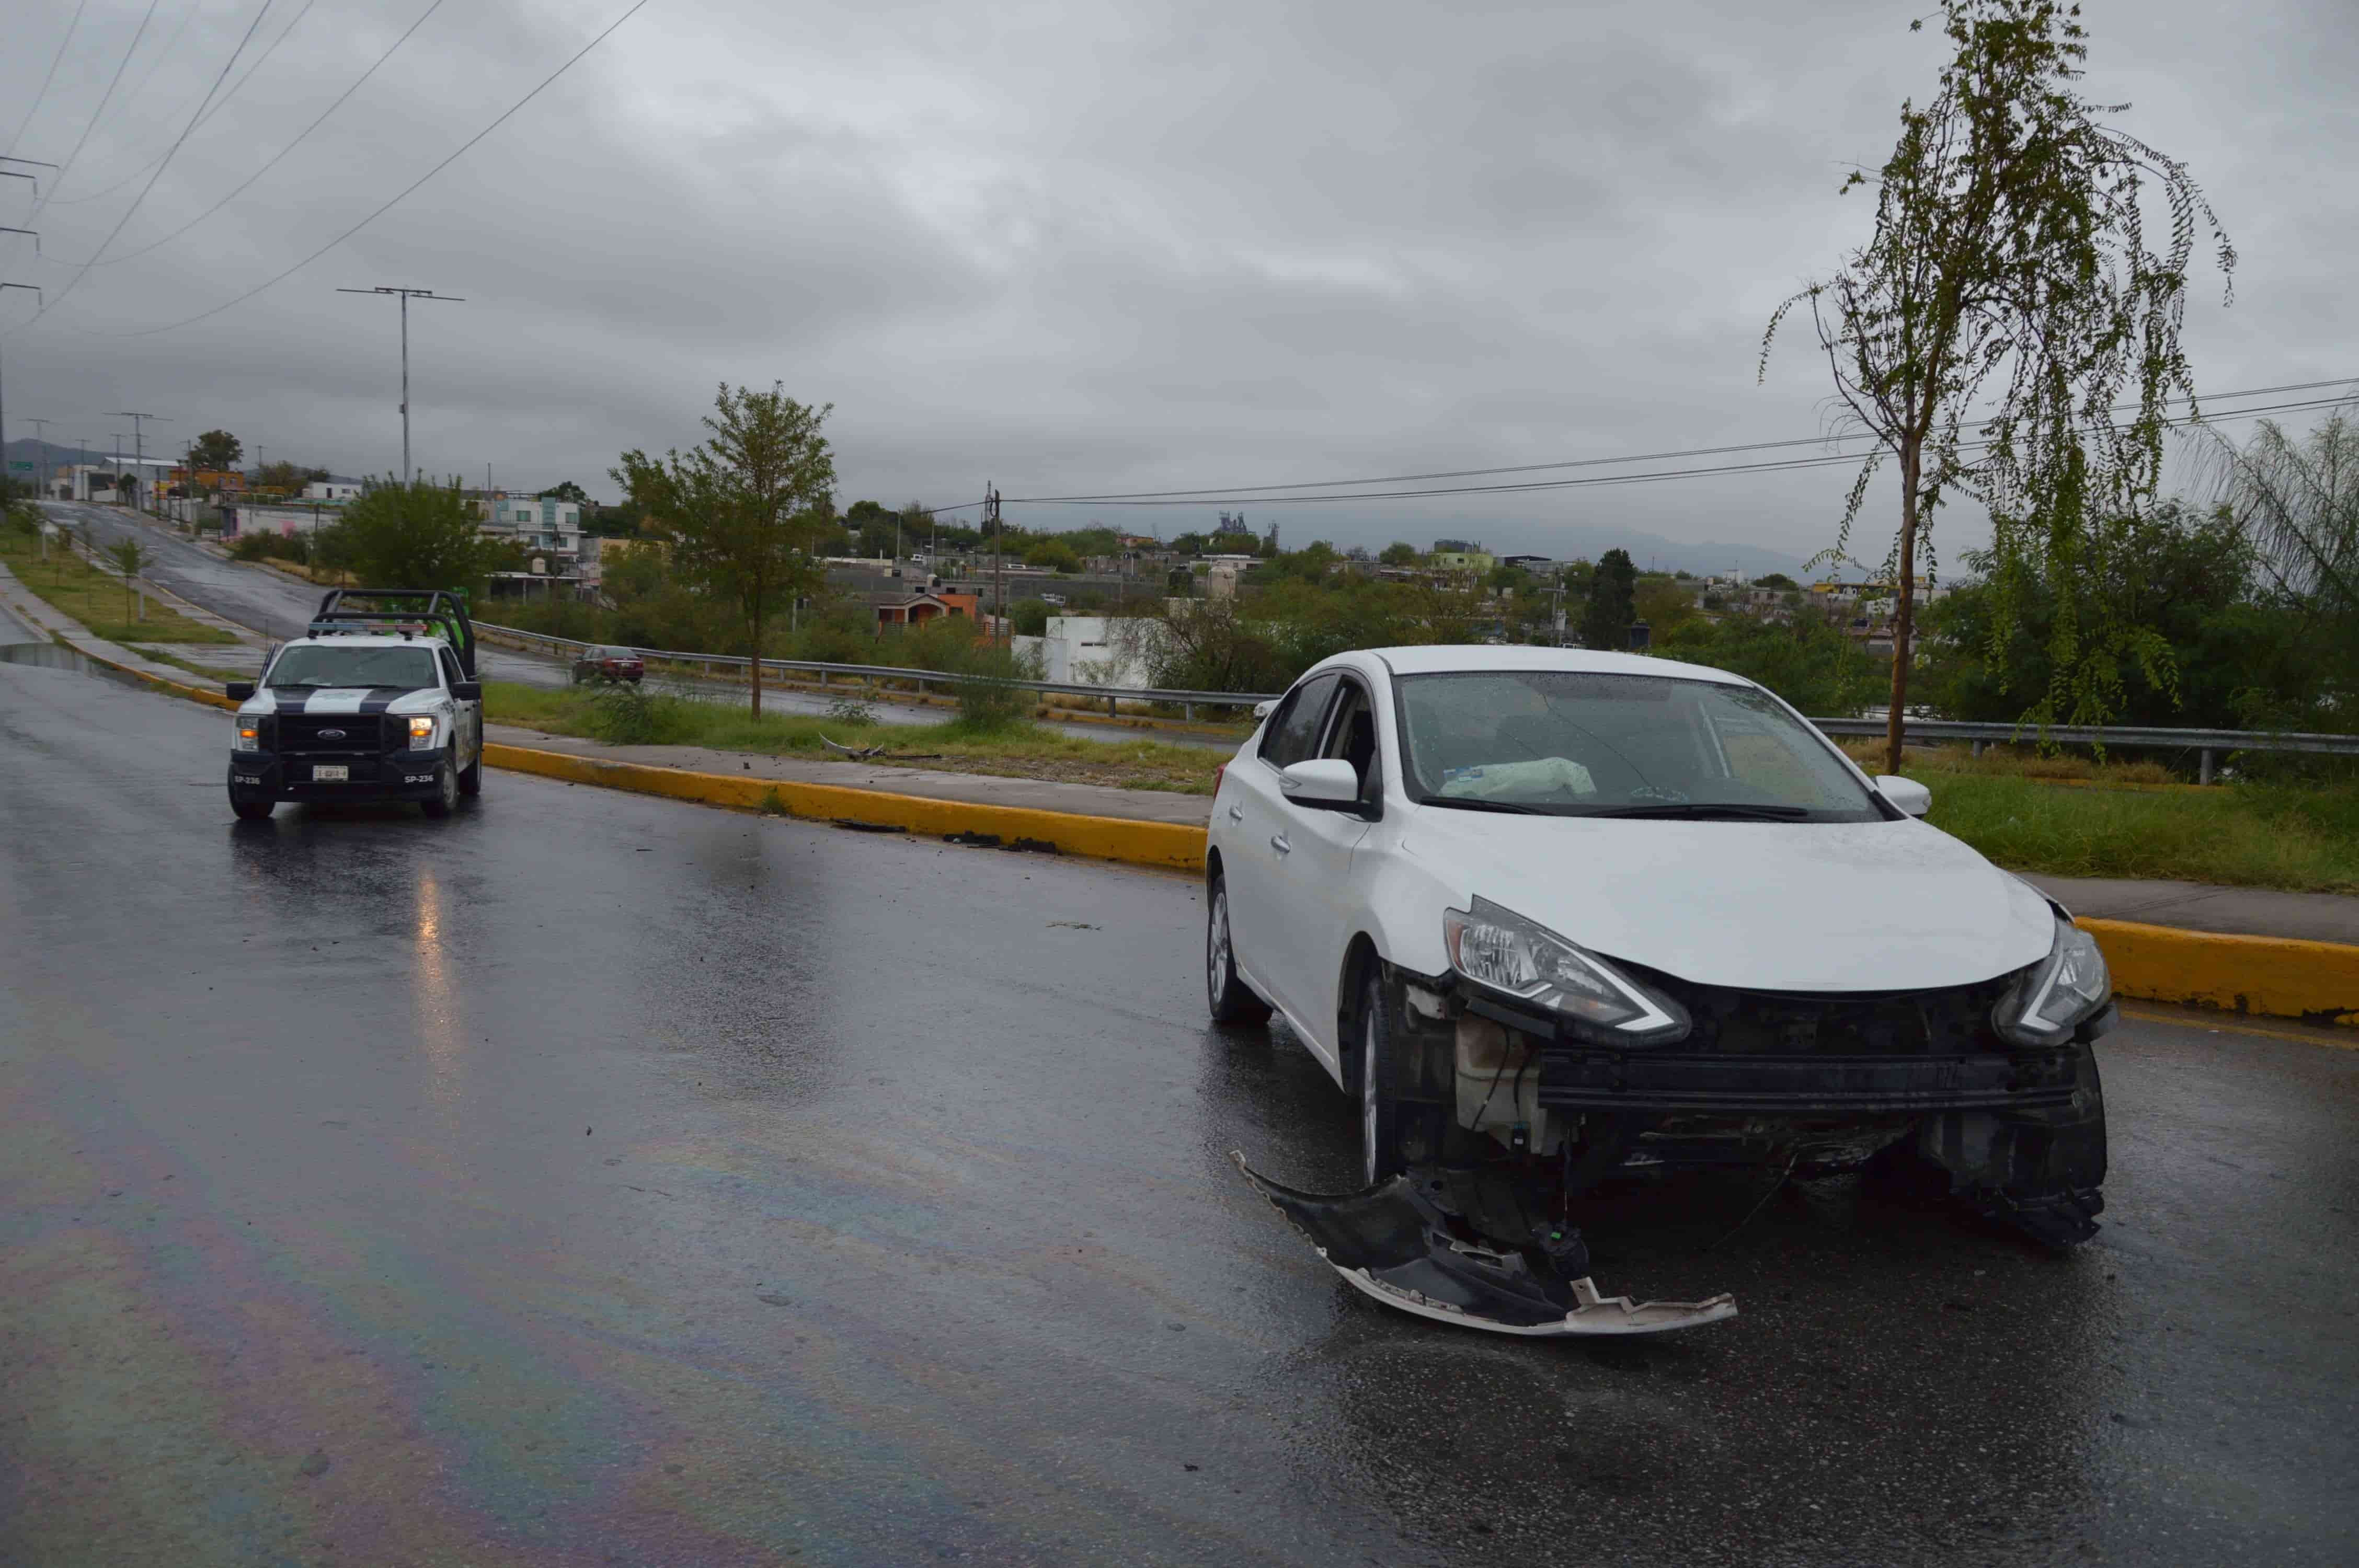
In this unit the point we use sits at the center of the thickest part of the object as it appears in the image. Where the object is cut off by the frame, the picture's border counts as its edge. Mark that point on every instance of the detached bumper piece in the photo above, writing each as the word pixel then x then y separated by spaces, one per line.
pixel 1398 1243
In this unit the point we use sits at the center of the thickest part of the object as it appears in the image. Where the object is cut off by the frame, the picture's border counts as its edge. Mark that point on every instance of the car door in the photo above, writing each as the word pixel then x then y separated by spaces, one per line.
pixel 467 718
pixel 1312 884
pixel 1257 817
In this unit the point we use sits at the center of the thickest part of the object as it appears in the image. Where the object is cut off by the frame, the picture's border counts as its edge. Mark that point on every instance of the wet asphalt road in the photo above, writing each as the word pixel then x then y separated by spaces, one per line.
pixel 592 1179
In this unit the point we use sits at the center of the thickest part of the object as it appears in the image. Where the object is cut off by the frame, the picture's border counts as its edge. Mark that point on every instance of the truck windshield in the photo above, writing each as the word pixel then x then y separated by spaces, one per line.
pixel 324 664
pixel 1571 744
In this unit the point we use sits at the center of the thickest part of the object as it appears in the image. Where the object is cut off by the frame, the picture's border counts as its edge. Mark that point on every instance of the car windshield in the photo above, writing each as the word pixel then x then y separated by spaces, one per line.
pixel 323 665
pixel 1573 743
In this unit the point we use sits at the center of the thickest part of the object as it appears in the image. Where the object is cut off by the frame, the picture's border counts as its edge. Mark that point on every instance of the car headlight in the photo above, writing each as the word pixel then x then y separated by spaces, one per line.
pixel 2063 989
pixel 1500 949
pixel 245 732
pixel 422 730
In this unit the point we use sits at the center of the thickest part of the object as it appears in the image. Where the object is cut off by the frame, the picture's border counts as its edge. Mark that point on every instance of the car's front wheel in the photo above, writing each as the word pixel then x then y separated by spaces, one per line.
pixel 1380 1109
pixel 251 810
pixel 471 777
pixel 1233 1001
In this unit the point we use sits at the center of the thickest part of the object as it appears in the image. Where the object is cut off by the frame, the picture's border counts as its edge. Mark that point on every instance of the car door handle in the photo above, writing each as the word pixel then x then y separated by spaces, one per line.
pixel 1278 842
pixel 1236 813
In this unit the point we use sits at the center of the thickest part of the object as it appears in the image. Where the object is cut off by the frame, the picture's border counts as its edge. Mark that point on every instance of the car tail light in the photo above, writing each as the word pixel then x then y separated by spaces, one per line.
pixel 1219 772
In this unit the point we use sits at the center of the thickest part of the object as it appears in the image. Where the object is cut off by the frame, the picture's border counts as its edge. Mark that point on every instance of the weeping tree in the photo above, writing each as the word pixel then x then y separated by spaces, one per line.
pixel 2297 501
pixel 2009 334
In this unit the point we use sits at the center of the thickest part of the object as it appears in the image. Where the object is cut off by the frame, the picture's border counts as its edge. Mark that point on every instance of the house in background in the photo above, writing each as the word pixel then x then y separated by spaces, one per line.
pixel 925 604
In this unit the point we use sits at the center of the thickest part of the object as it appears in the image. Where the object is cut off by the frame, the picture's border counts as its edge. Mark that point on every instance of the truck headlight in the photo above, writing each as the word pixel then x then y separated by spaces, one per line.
pixel 2063 989
pixel 245 732
pixel 421 732
pixel 1503 951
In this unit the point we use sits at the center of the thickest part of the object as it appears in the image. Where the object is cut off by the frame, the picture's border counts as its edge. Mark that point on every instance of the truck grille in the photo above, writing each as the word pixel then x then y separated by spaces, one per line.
pixel 331 734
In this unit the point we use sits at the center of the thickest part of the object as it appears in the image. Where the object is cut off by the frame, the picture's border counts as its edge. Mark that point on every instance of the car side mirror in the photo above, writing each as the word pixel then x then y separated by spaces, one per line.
pixel 238 690
pixel 1261 709
pixel 1328 782
pixel 1907 795
pixel 467 690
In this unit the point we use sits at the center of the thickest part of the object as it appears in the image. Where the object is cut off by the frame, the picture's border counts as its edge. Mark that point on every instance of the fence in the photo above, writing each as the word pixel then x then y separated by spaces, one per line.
pixel 2206 743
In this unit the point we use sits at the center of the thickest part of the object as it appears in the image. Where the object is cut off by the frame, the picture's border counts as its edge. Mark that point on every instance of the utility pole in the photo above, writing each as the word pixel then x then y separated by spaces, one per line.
pixel 406 295
pixel 998 558
pixel 138 445
pixel 36 290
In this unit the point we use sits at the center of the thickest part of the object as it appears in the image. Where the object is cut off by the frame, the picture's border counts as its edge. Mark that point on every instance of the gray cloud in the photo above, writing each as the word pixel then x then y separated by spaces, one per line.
pixel 1073 247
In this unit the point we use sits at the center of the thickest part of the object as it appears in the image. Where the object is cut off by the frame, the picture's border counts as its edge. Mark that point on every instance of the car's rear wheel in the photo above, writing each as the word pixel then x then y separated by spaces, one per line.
pixel 1380 1109
pixel 251 810
pixel 445 799
pixel 1233 1001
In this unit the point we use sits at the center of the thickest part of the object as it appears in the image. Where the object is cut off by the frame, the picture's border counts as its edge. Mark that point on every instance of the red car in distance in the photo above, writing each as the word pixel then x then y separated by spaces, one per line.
pixel 608 664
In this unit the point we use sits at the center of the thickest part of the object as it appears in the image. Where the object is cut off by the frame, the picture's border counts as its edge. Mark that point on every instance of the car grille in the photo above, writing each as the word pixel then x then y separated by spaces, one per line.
pixel 1951 1022
pixel 330 734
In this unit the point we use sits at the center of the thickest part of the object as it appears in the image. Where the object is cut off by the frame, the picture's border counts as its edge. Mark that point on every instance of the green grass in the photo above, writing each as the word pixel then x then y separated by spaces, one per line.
pixel 2243 835
pixel 1019 750
pixel 70 584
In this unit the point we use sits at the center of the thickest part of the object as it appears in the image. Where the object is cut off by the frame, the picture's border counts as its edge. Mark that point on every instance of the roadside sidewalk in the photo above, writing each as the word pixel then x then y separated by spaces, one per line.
pixel 38 612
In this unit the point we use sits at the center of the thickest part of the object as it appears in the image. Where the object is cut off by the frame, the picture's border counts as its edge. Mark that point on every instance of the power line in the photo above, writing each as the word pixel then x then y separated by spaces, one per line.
pixel 637 8
pixel 227 66
pixel 99 112
pixel 202 121
pixel 1277 496
pixel 290 146
pixel 50 76
pixel 1258 490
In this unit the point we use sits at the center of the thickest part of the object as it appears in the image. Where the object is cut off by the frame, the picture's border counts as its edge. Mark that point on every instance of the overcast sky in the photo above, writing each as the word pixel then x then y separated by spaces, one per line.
pixel 1073 246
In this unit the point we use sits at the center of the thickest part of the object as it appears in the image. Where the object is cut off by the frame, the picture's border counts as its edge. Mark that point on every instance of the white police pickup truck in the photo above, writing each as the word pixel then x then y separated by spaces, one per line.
pixel 378 702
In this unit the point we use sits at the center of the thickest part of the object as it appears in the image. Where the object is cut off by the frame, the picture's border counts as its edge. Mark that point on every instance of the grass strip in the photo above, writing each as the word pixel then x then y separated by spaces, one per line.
pixel 68 583
pixel 1016 750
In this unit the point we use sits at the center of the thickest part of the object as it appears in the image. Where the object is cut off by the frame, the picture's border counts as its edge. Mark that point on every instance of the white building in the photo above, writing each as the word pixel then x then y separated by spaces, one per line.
pixel 1096 649
pixel 336 490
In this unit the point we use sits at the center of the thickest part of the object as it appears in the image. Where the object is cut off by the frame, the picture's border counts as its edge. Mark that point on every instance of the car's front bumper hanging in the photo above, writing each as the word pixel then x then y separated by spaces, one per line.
pixel 1396 1242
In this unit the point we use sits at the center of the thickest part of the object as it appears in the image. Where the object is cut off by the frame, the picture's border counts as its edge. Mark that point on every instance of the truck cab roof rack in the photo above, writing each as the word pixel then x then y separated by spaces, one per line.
pixel 353 611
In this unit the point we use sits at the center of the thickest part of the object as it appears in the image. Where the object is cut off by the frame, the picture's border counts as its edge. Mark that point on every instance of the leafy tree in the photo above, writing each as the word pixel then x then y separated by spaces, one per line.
pixel 2242 645
pixel 1029 617
pixel 131 559
pixel 279 476
pixel 1612 606
pixel 1050 550
pixel 2297 501
pixel 419 535
pixel 742 510
pixel 215 449
pixel 565 490
pixel 1808 661
pixel 1777 579
pixel 2009 251
pixel 1664 605
pixel 1398 554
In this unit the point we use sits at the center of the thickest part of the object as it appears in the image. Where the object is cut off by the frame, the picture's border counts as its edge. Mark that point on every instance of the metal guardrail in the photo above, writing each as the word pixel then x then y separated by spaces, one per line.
pixel 1113 697
pixel 2206 743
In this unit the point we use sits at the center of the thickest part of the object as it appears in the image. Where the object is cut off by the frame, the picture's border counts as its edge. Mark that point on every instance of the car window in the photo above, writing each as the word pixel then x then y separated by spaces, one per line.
pixel 451 675
pixel 1577 743
pixel 1352 736
pixel 1294 727
pixel 326 665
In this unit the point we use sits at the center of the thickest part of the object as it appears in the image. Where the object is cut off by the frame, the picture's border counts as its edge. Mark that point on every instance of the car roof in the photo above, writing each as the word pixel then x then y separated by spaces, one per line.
pixel 1458 659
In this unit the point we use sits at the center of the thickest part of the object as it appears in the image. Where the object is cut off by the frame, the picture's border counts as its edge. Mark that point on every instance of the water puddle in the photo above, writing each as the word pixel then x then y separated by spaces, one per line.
pixel 50 656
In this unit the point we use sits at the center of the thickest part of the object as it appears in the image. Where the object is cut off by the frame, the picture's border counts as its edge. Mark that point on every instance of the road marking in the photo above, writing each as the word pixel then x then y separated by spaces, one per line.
pixel 2217 1023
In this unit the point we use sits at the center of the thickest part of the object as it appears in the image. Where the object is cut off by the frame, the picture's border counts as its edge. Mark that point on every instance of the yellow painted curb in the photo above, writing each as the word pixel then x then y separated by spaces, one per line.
pixel 2273 977
pixel 1164 844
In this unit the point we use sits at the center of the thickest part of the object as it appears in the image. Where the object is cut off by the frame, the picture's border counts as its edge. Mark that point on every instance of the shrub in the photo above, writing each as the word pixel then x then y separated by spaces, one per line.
pixel 623 715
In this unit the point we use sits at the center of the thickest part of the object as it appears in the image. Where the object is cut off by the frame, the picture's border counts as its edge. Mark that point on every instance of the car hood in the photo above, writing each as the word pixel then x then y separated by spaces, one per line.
pixel 1757 906
pixel 343 699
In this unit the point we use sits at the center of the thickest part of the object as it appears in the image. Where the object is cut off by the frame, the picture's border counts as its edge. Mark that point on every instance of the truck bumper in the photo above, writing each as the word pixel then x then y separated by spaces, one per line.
pixel 392 775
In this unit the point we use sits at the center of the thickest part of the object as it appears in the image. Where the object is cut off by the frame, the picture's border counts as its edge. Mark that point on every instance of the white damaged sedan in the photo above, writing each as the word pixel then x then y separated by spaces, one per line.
pixel 1556 917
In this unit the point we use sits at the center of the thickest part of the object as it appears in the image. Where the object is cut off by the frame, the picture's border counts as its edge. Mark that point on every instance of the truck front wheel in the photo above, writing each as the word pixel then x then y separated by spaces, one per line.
pixel 250 810
pixel 471 777
pixel 446 792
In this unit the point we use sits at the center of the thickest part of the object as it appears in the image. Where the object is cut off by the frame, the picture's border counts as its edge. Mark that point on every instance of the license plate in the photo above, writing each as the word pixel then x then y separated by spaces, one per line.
pixel 331 772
